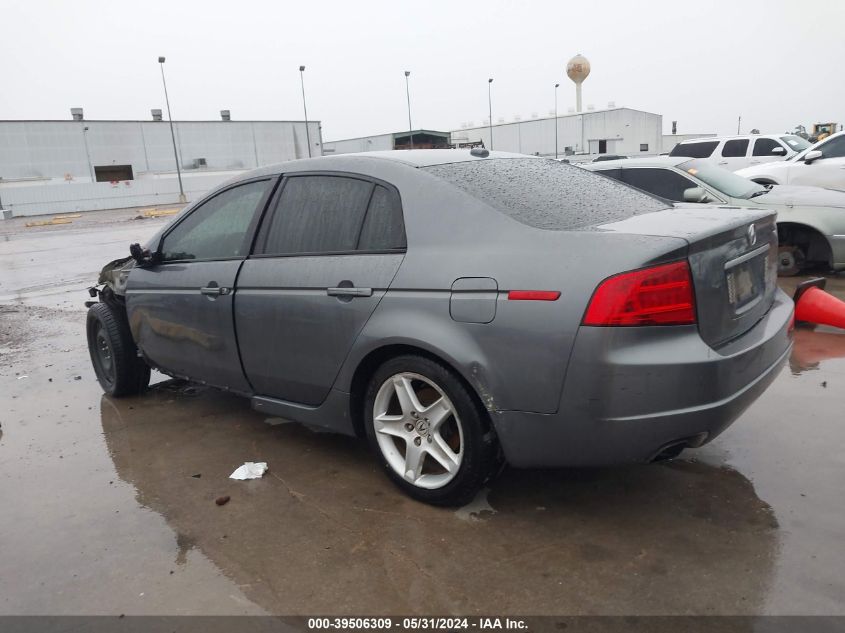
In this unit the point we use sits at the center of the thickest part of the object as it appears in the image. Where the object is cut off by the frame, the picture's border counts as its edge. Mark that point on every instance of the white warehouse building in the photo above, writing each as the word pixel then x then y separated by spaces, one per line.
pixel 613 131
pixel 63 166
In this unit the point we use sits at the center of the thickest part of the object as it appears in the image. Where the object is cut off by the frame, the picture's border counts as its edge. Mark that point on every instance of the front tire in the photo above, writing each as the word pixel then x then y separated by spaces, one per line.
pixel 114 356
pixel 791 260
pixel 430 435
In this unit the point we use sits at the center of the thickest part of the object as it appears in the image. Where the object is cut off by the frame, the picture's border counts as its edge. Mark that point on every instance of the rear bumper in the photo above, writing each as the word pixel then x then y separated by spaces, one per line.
pixel 630 392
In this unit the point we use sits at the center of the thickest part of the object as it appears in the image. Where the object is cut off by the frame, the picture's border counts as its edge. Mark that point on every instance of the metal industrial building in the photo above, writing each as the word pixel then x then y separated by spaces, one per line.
pixel 417 139
pixel 62 166
pixel 612 131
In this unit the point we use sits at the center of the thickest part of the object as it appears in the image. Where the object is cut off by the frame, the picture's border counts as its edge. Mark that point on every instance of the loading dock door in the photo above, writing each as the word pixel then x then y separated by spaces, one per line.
pixel 112 173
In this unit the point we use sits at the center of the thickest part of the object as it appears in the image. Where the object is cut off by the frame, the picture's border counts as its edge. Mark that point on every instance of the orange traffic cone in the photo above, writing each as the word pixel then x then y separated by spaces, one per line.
pixel 814 305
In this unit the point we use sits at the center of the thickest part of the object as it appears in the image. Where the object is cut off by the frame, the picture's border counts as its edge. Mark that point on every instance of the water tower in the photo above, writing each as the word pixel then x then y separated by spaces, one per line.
pixel 578 69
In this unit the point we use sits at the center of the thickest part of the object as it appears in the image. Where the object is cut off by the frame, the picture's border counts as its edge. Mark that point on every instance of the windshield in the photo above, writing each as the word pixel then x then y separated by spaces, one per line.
pixel 796 143
pixel 721 179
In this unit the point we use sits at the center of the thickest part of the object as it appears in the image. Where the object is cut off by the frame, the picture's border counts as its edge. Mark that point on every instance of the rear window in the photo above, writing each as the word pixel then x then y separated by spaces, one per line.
pixel 702 149
pixel 547 194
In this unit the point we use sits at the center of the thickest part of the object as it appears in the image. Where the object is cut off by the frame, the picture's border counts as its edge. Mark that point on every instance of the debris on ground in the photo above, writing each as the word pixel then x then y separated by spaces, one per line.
pixel 250 470
pixel 222 501
pixel 196 475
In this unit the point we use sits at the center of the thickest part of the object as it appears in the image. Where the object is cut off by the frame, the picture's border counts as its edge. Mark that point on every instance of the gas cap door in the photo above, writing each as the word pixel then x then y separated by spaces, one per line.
pixel 473 299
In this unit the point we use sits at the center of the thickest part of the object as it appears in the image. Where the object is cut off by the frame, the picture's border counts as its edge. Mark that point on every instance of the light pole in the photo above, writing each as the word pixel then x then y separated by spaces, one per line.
pixel 556 87
pixel 88 153
pixel 490 109
pixel 182 197
pixel 305 108
pixel 408 95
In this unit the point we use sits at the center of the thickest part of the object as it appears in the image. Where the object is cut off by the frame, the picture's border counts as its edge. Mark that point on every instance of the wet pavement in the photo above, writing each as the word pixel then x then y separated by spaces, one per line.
pixel 107 506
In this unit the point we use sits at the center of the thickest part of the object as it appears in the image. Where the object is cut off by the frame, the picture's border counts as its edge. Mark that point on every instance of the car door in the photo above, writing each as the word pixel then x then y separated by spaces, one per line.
pixel 180 309
pixel 767 150
pixel 734 154
pixel 827 171
pixel 326 253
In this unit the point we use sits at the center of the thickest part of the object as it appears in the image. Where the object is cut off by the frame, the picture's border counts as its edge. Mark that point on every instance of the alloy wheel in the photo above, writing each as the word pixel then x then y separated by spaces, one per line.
pixel 418 430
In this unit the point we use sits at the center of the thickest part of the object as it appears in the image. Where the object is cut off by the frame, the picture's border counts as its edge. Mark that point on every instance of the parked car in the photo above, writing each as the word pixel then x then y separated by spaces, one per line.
pixel 811 220
pixel 456 308
pixel 822 165
pixel 736 152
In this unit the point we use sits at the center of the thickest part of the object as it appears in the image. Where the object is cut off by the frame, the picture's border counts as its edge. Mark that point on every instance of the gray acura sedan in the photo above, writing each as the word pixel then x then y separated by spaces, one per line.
pixel 458 309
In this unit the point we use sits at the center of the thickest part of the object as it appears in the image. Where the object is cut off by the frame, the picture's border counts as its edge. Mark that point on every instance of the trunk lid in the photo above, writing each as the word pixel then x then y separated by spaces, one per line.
pixel 733 259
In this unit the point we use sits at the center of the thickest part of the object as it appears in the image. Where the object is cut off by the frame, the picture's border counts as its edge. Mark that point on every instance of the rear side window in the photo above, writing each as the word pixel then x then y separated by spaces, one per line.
pixel 735 147
pixel 317 214
pixel 334 214
pixel 384 228
pixel 702 149
pixel 546 194
pixel 764 147
pixel 659 182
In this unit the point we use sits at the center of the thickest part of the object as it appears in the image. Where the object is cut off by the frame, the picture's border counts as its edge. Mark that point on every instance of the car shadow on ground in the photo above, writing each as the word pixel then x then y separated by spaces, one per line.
pixel 324 531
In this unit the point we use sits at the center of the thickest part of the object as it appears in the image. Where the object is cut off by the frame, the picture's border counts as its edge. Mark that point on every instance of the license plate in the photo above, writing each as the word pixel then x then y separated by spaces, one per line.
pixel 745 282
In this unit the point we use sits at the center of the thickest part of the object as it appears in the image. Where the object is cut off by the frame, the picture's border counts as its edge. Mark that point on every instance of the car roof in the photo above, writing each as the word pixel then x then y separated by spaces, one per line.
pixel 410 157
pixel 728 138
pixel 651 161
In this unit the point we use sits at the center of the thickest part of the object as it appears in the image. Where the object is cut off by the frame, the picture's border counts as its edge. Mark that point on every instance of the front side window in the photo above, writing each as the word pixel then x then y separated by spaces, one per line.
pixel 318 214
pixel 217 229
pixel 702 149
pixel 659 182
pixel 735 147
pixel 834 148
pixel 764 147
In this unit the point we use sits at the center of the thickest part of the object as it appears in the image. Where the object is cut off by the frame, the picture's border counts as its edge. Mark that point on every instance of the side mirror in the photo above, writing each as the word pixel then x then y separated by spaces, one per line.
pixel 695 194
pixel 778 151
pixel 812 155
pixel 142 256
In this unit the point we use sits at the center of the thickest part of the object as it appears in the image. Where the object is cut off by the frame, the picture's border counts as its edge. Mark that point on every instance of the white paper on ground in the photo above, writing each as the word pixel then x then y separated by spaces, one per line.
pixel 250 470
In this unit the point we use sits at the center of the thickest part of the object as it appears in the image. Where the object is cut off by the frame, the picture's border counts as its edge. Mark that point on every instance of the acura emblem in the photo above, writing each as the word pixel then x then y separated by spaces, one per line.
pixel 751 235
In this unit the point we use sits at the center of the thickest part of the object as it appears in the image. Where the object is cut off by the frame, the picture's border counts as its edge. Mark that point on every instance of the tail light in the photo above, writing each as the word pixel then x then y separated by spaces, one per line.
pixel 662 295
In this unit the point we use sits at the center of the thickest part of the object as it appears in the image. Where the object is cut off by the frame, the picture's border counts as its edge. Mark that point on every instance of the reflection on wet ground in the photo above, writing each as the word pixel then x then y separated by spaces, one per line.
pixel 108 507
pixel 324 529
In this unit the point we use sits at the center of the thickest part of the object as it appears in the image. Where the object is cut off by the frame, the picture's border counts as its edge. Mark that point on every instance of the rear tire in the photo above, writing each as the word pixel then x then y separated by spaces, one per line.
pixel 114 355
pixel 430 435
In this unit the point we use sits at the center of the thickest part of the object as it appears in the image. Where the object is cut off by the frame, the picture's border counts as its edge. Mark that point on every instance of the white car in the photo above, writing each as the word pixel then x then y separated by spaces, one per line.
pixel 822 165
pixel 736 152
pixel 811 221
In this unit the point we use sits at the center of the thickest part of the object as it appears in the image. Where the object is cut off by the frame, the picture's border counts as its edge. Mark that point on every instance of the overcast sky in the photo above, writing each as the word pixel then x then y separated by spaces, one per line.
pixel 777 63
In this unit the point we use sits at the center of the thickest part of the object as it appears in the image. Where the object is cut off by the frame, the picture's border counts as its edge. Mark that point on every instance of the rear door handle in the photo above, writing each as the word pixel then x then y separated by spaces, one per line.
pixel 214 291
pixel 349 292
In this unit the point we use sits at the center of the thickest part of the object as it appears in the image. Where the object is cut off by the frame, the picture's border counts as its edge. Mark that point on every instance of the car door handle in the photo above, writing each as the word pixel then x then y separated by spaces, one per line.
pixel 214 291
pixel 349 292
pixel 723 162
